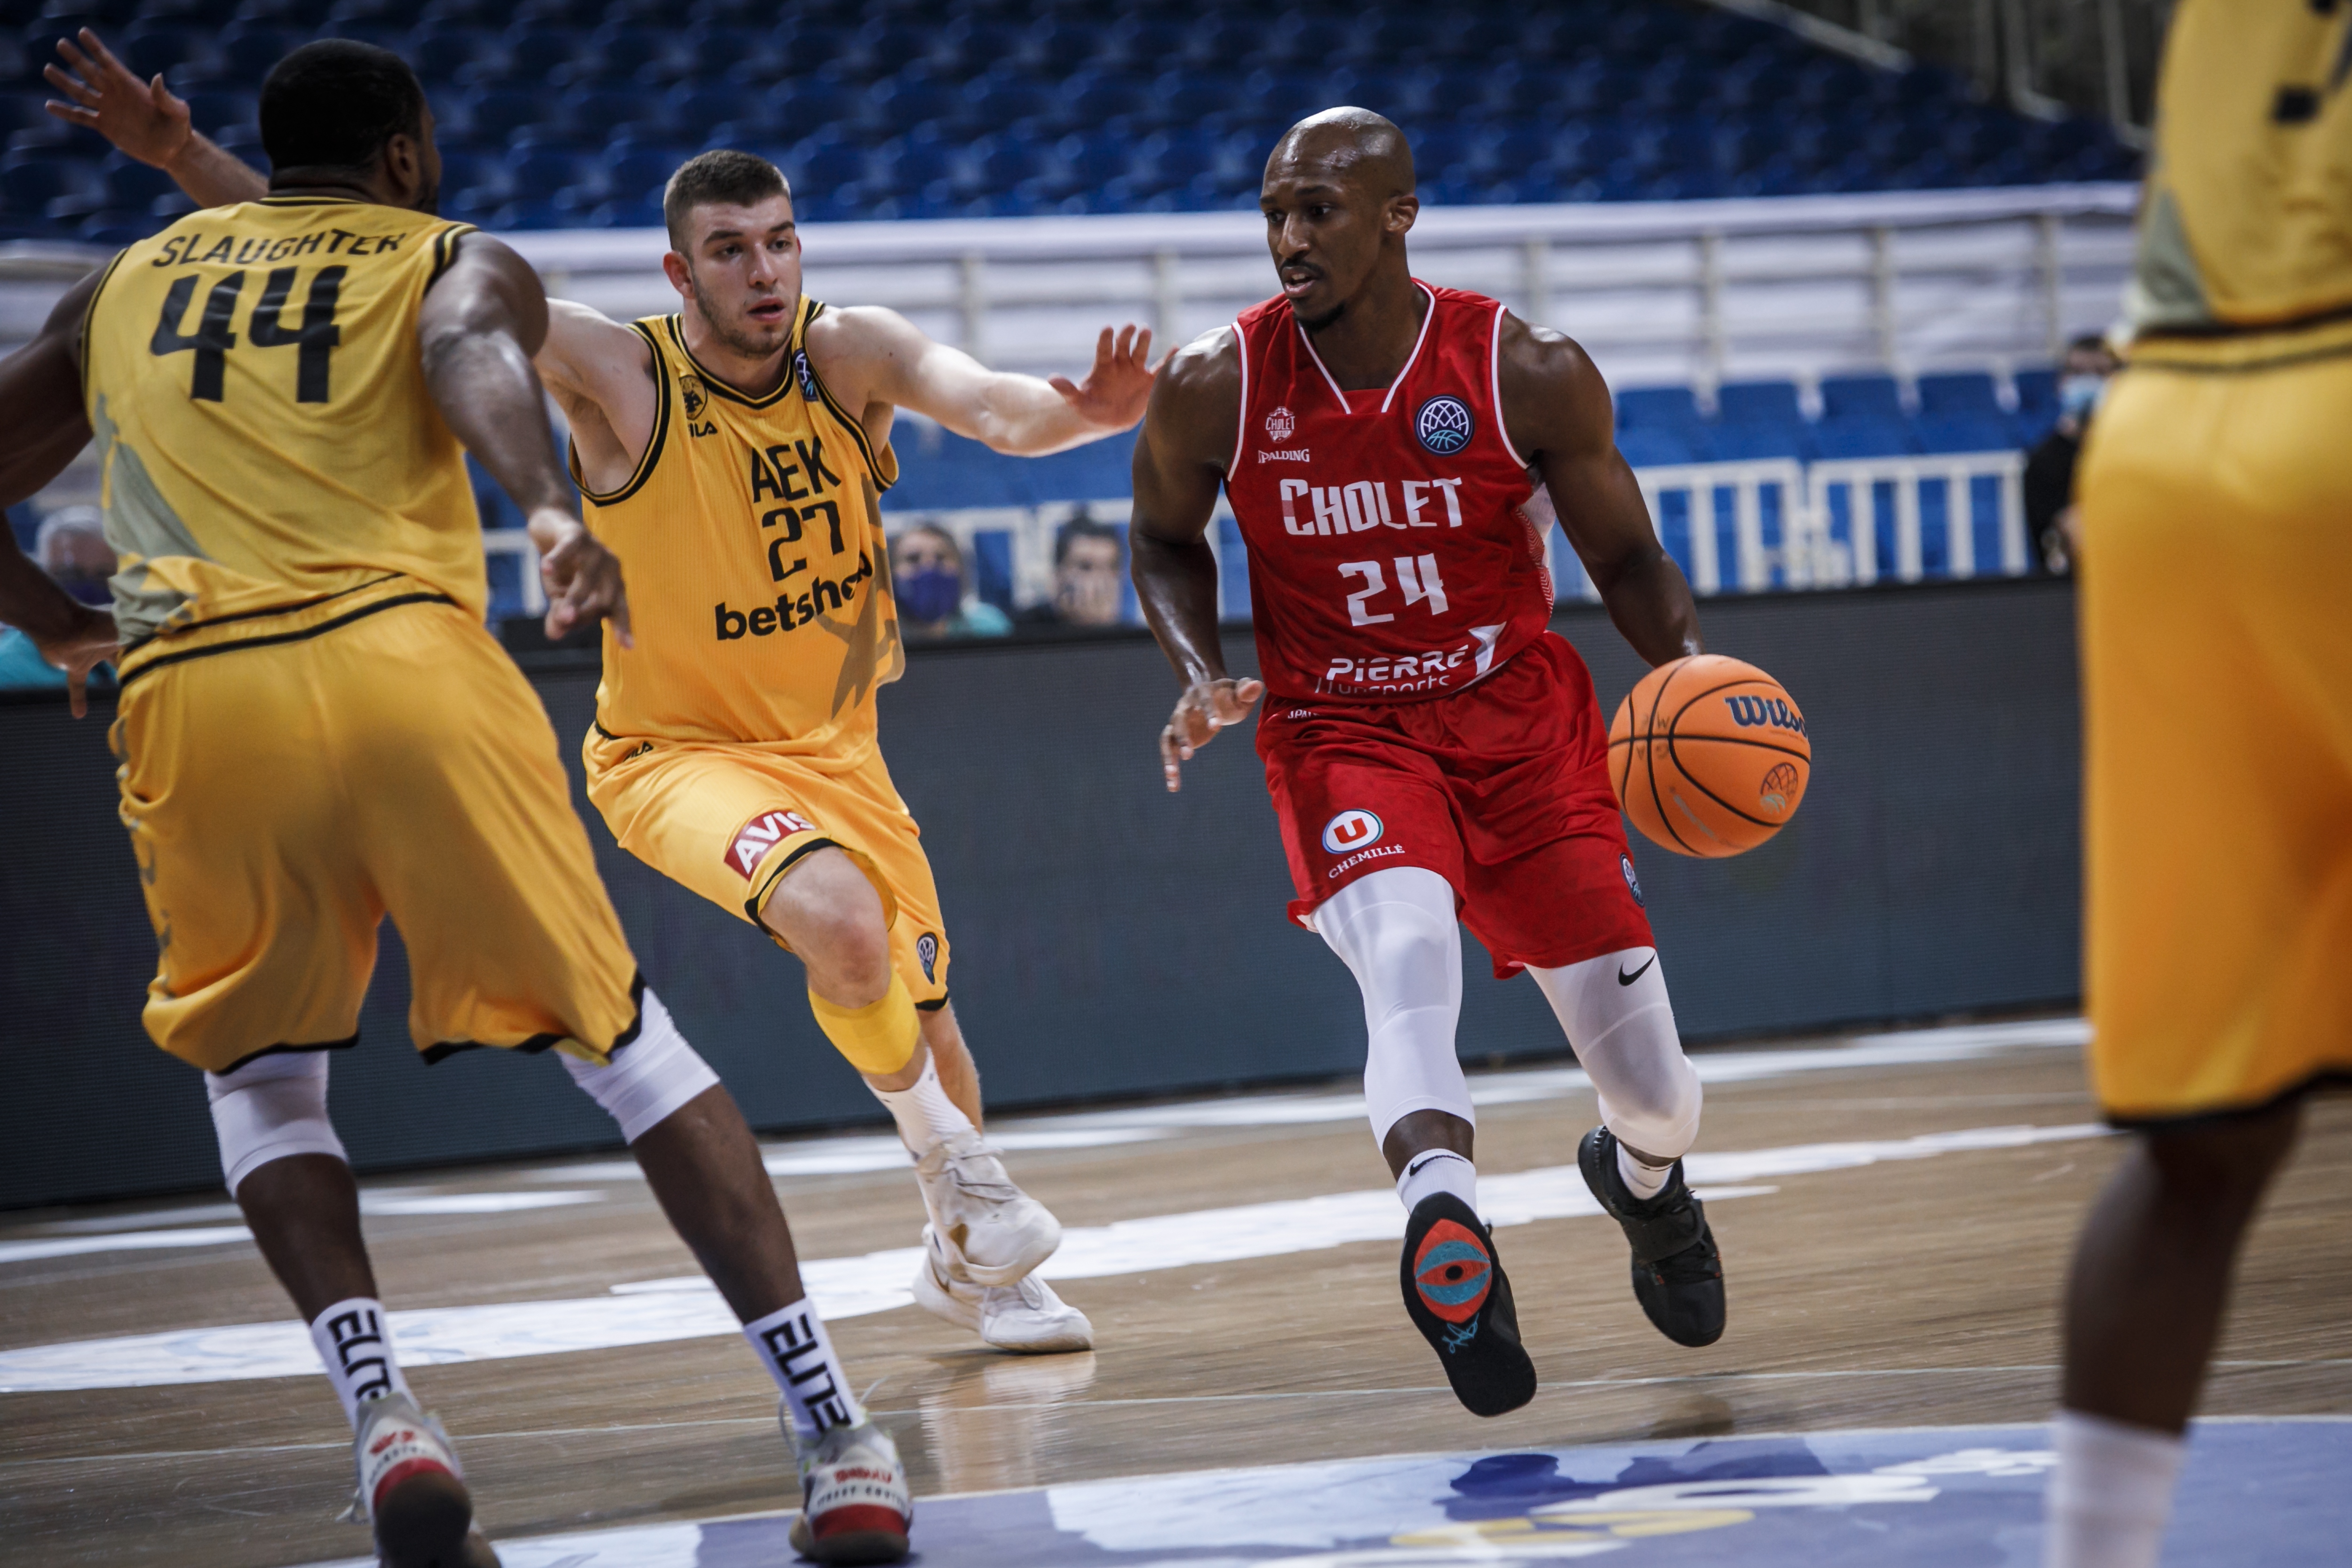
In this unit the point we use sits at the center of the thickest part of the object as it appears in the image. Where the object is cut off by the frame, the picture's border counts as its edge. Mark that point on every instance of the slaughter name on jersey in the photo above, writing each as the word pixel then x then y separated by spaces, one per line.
pixel 1390 558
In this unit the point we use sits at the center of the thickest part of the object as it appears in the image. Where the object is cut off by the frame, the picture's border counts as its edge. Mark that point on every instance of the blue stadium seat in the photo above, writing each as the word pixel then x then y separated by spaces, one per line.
pixel 1651 447
pixel 134 186
pixel 30 185
pixel 998 99
pixel 1861 397
pixel 1055 44
pixel 1758 403
pixel 1657 408
pixel 1142 42
pixel 150 47
pixel 1861 436
pixel 489 116
pixel 1963 433
pixel 2037 393
pixel 436 52
pixel 1734 441
pixel 1967 393
pixel 246 54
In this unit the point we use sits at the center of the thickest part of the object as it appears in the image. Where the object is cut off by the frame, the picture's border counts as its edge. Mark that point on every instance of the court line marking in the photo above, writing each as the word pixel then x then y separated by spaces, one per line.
pixel 687 1307
pixel 379 1204
pixel 1092 1129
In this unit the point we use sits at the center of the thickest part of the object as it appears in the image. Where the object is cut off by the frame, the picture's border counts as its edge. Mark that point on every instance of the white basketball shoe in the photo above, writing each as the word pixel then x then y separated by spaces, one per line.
pixel 1000 1232
pixel 854 1502
pixel 410 1490
pixel 1024 1316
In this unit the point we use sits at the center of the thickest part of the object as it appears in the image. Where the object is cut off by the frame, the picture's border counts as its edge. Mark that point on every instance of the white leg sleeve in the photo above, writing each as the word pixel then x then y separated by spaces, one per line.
pixel 271 1107
pixel 1622 1028
pixel 650 1078
pixel 1396 930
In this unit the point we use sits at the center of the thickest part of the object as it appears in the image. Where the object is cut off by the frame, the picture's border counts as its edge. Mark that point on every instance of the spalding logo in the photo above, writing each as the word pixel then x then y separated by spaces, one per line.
pixel 1780 785
pixel 1444 424
pixel 1351 830
pixel 1753 712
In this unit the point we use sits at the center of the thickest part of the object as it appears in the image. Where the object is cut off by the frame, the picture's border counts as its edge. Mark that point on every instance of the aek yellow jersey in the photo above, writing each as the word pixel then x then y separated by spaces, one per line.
pixel 2247 218
pixel 253 378
pixel 759 582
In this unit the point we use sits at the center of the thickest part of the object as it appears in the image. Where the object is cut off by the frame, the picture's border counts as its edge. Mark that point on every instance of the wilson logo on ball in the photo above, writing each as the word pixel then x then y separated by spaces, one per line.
pixel 1351 830
pixel 1445 425
pixel 1760 712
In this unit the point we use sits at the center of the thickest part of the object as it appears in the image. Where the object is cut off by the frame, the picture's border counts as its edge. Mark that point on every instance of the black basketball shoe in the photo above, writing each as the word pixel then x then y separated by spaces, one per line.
pixel 1677 1272
pixel 1457 1297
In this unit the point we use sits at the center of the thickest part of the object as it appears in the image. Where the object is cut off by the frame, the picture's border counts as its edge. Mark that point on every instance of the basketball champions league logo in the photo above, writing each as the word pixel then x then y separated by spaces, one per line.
pixel 1445 425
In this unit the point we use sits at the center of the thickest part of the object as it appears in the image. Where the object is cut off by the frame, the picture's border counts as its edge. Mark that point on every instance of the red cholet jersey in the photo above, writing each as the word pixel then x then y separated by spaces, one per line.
pixel 1389 557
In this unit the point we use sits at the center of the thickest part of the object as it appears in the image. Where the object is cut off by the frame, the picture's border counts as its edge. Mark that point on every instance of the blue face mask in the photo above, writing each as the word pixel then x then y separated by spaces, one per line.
pixel 930 595
pixel 2078 394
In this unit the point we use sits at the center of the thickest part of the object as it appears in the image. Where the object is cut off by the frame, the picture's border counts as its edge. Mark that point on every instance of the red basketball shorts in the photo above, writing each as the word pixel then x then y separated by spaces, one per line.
pixel 1503 790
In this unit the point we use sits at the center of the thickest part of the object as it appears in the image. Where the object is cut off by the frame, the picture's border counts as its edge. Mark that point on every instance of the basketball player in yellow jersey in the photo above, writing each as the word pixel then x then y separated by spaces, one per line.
pixel 316 730
pixel 2217 667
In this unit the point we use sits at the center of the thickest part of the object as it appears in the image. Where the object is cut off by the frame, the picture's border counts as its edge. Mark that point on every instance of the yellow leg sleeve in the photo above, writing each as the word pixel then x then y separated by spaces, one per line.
pixel 878 1038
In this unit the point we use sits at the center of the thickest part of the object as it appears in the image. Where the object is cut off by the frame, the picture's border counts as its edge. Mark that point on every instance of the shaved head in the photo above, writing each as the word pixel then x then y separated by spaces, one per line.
pixel 1354 146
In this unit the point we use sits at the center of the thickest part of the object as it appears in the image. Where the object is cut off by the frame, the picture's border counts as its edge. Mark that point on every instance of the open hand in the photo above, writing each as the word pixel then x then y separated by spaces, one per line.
pixel 1207 706
pixel 582 579
pixel 145 119
pixel 1113 394
pixel 89 641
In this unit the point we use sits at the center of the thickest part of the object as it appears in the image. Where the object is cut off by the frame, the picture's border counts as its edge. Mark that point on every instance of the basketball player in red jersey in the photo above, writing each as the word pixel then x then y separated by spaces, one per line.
pixel 1431 749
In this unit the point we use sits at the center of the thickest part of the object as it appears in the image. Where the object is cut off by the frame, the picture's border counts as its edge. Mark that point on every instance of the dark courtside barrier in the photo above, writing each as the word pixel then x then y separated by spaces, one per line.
pixel 1111 939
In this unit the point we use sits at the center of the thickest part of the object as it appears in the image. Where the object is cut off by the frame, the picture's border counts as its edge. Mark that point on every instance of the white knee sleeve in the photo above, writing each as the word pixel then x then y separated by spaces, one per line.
pixel 1622 1028
pixel 1395 930
pixel 271 1107
pixel 650 1078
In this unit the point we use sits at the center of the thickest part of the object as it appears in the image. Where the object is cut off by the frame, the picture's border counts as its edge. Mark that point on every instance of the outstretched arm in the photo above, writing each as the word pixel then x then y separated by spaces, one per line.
pixel 148 122
pixel 1557 409
pixel 1187 441
pixel 889 360
pixel 481 321
pixel 41 414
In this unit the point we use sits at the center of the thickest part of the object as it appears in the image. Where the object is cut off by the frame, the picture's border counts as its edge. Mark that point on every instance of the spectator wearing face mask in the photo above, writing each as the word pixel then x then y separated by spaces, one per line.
pixel 927 576
pixel 71 548
pixel 1089 577
pixel 2050 468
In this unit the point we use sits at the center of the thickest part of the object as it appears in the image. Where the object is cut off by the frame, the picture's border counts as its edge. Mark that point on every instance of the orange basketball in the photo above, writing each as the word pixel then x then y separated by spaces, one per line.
pixel 1710 756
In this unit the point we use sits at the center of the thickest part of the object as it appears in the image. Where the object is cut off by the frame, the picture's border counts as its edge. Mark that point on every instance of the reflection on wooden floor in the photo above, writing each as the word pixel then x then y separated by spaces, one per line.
pixel 1914 1289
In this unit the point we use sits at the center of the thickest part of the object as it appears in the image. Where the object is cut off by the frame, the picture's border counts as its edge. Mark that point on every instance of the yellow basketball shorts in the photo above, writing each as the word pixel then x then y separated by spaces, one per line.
pixel 729 821
pixel 282 799
pixel 2216 505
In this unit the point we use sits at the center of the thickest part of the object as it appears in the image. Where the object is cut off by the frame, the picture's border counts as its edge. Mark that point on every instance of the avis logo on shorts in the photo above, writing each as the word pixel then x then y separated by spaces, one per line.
pixel 1350 831
pixel 762 832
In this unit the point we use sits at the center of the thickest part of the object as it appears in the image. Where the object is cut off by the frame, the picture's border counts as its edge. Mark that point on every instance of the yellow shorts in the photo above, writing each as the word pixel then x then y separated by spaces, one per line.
pixel 730 821
pixel 283 799
pixel 2216 504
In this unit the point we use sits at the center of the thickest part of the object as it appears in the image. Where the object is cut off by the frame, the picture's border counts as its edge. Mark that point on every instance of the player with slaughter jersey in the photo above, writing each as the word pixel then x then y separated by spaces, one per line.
pixel 1431 749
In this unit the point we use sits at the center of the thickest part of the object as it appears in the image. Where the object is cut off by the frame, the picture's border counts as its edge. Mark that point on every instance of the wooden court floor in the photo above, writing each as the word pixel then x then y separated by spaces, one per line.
pixel 1909 1291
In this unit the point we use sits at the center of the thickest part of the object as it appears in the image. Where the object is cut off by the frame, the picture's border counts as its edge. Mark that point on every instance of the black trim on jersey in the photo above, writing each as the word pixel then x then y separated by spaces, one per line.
pixel 444 250
pixel 2206 331
pixel 89 314
pixel 719 386
pixel 2155 361
pixel 160 660
pixel 442 1050
pixel 260 614
pixel 314 202
pixel 644 468
pixel 758 901
pixel 342 1044
pixel 2323 1081
pixel 933 1005
pixel 857 430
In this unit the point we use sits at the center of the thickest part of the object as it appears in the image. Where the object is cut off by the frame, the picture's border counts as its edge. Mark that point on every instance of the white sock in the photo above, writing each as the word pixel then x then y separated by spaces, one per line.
pixel 2111 1494
pixel 794 1347
pixel 922 1109
pixel 1643 1181
pixel 355 1346
pixel 1438 1171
